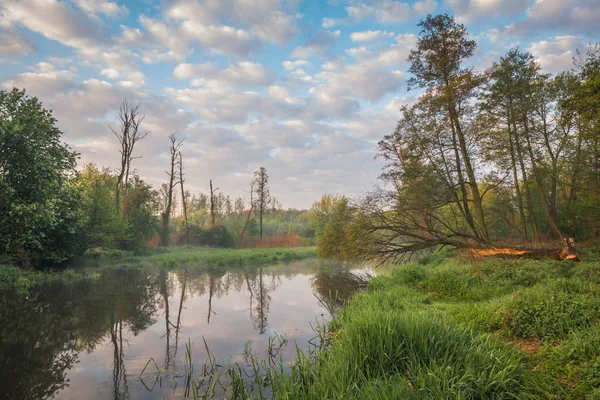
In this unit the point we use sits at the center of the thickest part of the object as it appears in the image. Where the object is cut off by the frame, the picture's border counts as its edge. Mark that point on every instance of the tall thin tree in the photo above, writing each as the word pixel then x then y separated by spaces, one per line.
pixel 128 134
pixel 183 198
pixel 174 149
pixel 263 196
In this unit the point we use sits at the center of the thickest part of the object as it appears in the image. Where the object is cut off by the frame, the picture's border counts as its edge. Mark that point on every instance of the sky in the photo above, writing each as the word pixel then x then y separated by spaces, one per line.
pixel 303 88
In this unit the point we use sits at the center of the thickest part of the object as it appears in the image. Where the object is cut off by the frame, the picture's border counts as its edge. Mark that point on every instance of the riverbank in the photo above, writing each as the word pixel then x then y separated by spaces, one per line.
pixel 167 258
pixel 453 328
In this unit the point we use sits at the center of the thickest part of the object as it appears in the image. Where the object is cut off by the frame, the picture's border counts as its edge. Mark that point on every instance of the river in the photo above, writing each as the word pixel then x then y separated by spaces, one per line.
pixel 92 338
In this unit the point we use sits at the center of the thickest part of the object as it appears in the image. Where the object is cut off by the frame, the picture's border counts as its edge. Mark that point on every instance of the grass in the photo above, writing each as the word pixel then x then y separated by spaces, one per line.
pixel 174 257
pixel 168 258
pixel 450 328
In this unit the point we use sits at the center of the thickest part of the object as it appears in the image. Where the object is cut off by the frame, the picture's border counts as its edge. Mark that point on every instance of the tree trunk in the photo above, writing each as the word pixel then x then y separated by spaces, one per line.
pixel 183 202
pixel 212 205
pixel 516 181
pixel 545 201
pixel 531 216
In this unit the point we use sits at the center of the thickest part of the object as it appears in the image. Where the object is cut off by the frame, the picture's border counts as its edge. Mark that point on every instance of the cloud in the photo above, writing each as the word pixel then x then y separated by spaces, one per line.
pixel 15 44
pixel 57 21
pixel 474 11
pixel 370 36
pixel 265 19
pixel 557 53
pixel 383 11
pixel 243 73
pixel 370 81
pixel 570 16
pixel 319 44
pixel 291 65
pixel 108 8
pixel 395 54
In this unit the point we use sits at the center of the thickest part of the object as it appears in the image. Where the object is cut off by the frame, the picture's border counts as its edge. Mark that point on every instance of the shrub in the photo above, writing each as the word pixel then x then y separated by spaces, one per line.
pixel 216 236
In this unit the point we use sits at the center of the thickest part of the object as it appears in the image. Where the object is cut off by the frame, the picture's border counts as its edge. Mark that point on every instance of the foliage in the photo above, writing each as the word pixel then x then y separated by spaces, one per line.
pixel 485 157
pixel 216 236
pixel 139 209
pixel 39 208
pixel 102 225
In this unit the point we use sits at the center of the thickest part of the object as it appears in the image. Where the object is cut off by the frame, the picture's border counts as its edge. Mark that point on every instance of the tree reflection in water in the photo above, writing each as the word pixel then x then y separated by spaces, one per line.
pixel 47 326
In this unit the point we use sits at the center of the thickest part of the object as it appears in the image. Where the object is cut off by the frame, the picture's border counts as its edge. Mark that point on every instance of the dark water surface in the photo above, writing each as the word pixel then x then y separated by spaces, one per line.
pixel 91 339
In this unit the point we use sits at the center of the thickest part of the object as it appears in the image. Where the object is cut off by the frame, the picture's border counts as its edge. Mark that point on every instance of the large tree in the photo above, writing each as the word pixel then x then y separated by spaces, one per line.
pixel 437 66
pixel 39 208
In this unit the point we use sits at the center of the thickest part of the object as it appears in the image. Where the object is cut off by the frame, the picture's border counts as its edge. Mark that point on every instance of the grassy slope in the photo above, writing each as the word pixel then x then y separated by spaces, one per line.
pixel 454 329
pixel 191 257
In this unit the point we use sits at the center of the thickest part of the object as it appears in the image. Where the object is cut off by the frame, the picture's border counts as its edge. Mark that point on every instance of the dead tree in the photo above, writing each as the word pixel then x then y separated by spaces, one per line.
pixel 261 180
pixel 183 201
pixel 175 147
pixel 128 134
pixel 212 204
pixel 249 213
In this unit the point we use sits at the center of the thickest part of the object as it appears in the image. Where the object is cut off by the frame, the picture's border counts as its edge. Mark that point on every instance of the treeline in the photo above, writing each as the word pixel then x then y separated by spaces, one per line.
pixel 51 213
pixel 505 156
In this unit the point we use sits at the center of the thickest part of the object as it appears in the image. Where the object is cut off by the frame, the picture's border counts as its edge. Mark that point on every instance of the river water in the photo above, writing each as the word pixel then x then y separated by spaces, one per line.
pixel 92 338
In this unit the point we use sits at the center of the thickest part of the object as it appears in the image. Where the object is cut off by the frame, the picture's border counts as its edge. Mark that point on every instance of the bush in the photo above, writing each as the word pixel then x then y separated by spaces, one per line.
pixel 216 236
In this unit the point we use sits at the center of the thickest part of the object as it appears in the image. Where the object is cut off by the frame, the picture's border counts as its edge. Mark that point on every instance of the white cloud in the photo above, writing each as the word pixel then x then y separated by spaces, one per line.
pixel 108 8
pixel 557 53
pixel 395 54
pixel 571 16
pixel 383 11
pixel 368 81
pixel 370 36
pixel 55 20
pixel 291 65
pixel 473 11
pixel 243 73
pixel 110 73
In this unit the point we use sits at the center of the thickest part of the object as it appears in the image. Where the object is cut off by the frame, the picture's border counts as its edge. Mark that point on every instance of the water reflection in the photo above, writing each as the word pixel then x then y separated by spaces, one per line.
pixel 92 338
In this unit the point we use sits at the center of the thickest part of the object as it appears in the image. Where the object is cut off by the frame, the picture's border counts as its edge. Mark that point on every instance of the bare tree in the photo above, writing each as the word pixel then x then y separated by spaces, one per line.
pixel 212 204
pixel 175 147
pixel 261 184
pixel 128 135
pixel 249 212
pixel 183 198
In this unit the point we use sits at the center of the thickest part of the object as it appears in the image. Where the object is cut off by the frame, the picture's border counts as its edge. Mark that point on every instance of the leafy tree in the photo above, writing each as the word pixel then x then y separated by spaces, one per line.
pixel 437 65
pixel 140 207
pixel 39 208
pixel 103 226
pixel 322 211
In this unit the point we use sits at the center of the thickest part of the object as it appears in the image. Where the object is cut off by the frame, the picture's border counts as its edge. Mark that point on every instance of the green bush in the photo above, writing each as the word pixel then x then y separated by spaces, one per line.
pixel 216 236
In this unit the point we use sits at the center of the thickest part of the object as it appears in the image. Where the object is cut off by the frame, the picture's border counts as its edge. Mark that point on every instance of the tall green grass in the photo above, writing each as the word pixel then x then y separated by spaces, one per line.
pixel 453 329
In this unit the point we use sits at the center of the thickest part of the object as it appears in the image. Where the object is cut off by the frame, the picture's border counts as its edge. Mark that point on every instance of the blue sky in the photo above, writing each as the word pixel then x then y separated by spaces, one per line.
pixel 304 88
